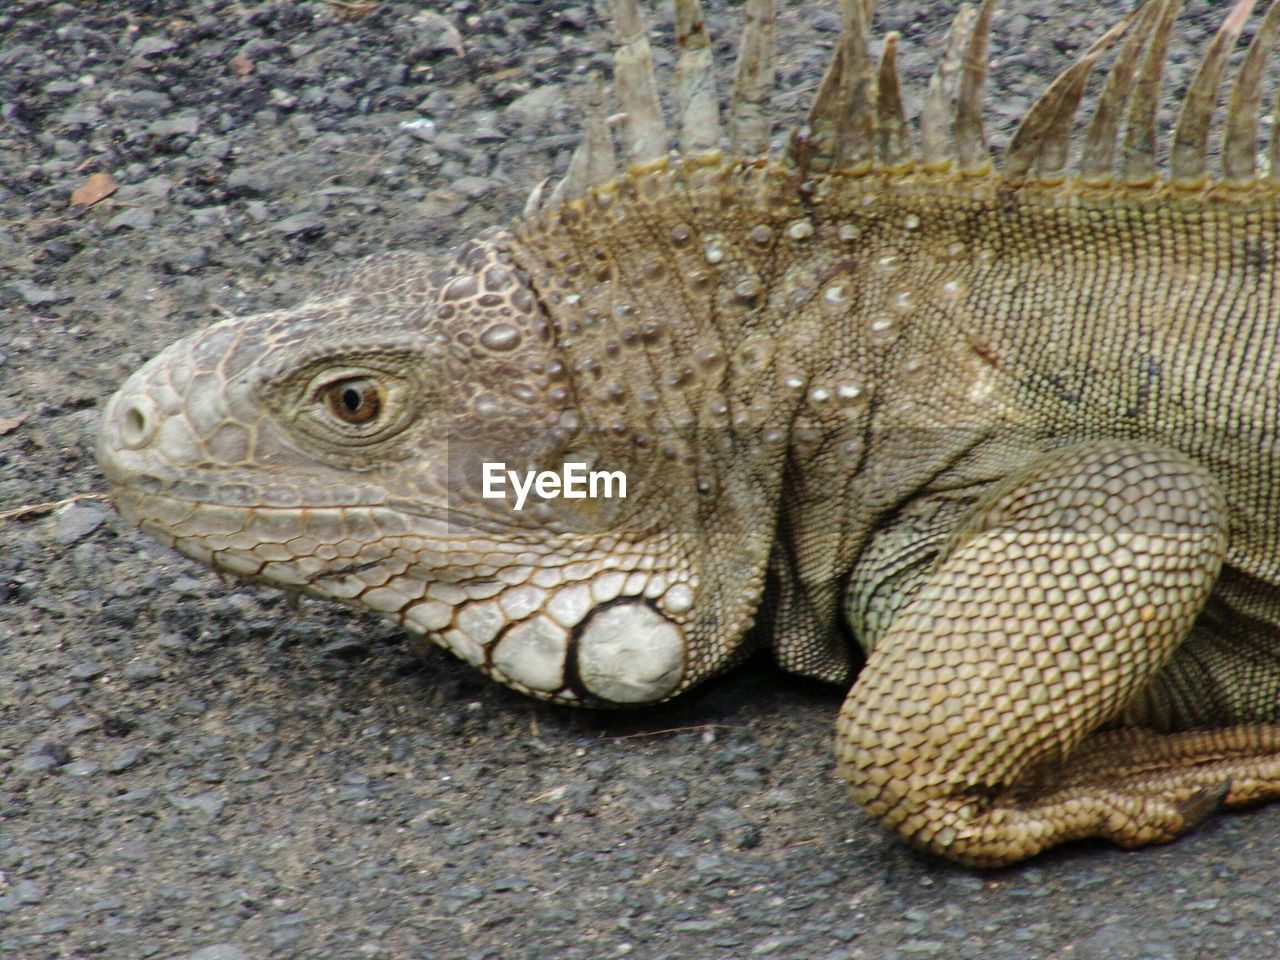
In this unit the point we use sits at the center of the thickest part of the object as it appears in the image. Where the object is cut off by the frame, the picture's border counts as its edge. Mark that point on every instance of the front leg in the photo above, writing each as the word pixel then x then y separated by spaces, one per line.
pixel 1049 610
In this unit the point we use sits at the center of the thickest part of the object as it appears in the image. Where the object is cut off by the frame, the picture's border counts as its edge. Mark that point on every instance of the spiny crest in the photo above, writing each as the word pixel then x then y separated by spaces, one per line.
pixel 856 124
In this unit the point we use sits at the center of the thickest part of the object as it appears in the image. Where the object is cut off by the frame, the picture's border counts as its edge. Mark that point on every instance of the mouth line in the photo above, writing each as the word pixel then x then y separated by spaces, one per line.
pixel 142 493
pixel 351 569
pixel 123 494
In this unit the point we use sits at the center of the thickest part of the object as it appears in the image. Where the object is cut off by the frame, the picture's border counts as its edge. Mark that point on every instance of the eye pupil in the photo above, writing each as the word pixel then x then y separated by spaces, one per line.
pixel 353 401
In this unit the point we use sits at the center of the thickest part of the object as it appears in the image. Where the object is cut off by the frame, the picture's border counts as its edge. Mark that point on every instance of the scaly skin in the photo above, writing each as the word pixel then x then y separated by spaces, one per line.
pixel 1019 436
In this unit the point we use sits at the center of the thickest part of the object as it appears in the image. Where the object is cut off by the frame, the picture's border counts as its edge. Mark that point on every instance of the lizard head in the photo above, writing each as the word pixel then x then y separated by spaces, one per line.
pixel 379 446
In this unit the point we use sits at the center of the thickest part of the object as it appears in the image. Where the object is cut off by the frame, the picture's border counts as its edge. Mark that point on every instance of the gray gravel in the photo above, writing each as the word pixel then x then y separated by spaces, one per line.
pixel 190 769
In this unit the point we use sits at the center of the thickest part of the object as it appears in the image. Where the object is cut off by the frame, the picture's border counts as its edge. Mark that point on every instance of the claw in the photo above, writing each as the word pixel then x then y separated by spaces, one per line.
pixel 1203 803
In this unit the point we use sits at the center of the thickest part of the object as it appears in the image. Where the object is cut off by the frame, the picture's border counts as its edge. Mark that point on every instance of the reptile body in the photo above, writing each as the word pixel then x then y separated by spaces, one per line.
pixel 1013 430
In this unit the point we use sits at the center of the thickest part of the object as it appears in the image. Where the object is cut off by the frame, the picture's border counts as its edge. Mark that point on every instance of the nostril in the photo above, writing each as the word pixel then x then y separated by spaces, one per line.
pixel 137 424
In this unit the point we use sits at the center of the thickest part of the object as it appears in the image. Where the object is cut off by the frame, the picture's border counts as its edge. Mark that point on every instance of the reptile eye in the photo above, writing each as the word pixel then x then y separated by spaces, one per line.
pixel 355 401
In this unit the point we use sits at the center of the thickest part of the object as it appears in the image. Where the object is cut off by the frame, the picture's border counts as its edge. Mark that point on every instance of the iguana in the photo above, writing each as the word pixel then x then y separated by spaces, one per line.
pixel 1013 430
